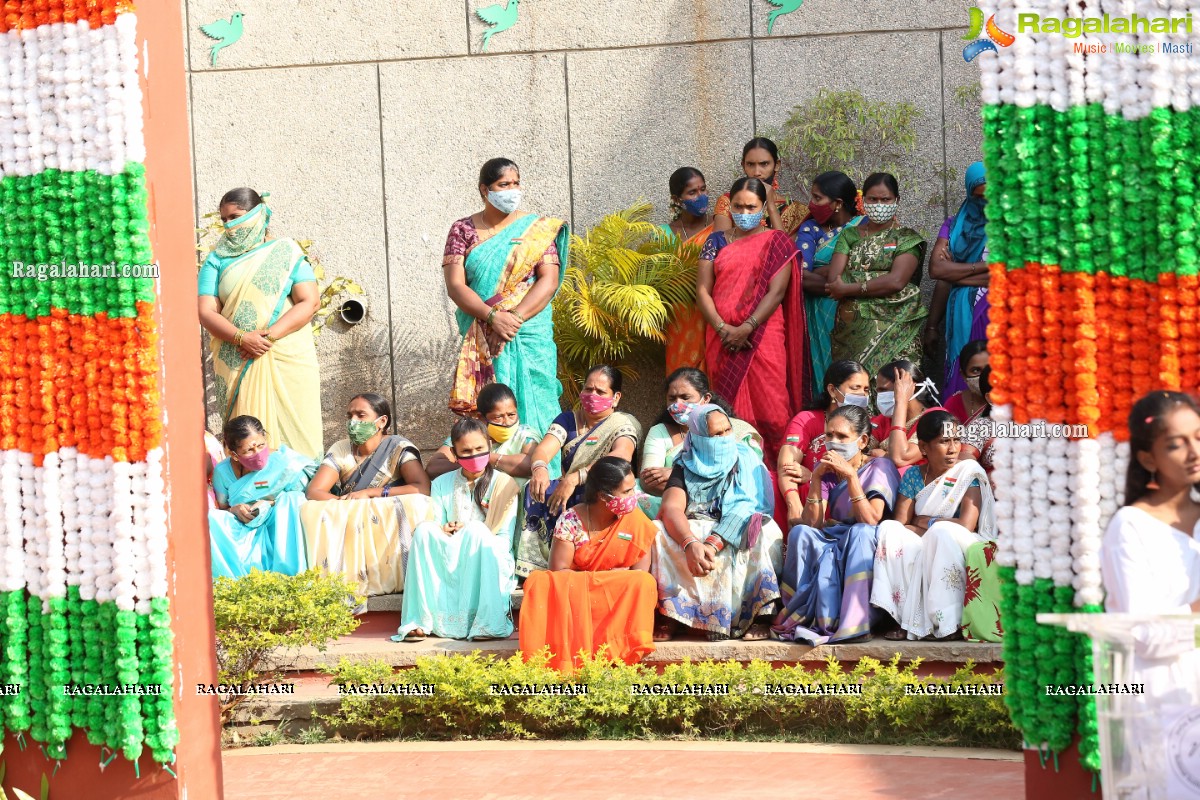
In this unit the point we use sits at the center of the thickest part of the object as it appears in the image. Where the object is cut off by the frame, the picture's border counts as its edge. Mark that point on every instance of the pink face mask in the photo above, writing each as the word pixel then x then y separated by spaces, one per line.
pixel 595 404
pixel 474 464
pixel 257 461
pixel 622 505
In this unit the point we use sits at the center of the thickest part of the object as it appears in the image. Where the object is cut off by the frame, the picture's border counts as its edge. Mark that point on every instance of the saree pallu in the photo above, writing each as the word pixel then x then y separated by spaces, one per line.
pixel 820 311
pixel 981 600
pixel 598 603
pixel 964 309
pixel 272 541
pixel 502 270
pixel 743 585
pixel 877 330
pixel 685 334
pixel 650 504
pixel 580 452
pixel 460 586
pixel 282 388
pixel 769 382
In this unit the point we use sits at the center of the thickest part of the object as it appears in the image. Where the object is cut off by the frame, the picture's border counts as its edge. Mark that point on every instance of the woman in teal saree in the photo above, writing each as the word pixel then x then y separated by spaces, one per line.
pixel 502 270
pixel 256 524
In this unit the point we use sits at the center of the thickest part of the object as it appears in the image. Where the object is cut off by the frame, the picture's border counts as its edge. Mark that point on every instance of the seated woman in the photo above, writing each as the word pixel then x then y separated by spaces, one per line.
pixel 598 592
pixel 977 432
pixel 511 441
pixel 582 439
pixel 846 384
pixel 460 574
pixel 256 524
pixel 904 396
pixel 718 563
pixel 968 403
pixel 1150 555
pixel 214 453
pixel 368 494
pixel 827 576
pixel 686 389
pixel 945 507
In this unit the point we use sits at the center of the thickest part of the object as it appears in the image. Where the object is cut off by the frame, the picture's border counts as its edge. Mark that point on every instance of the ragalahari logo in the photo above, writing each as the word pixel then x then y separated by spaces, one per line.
pixel 995 36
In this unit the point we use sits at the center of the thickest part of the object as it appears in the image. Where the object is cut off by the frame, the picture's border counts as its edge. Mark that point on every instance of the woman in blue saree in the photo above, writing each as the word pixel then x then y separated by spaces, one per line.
pixel 256 524
pixel 581 439
pixel 960 258
pixel 502 269
pixel 830 209
pixel 826 579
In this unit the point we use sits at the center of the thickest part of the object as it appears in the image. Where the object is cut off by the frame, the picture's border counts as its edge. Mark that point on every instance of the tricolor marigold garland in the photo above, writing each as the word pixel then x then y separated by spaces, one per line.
pixel 1092 229
pixel 83 569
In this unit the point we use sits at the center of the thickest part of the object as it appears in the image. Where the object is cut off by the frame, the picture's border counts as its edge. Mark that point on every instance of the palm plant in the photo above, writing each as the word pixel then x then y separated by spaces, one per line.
pixel 623 282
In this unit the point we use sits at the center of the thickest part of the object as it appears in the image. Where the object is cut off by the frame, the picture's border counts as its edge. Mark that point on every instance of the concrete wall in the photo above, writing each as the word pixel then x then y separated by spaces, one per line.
pixel 367 121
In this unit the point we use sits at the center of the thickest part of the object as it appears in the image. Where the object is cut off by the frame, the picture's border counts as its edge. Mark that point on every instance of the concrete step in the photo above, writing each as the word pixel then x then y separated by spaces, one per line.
pixel 393 602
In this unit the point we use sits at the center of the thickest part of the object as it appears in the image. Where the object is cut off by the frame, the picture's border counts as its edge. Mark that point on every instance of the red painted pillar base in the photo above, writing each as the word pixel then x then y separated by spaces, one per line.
pixel 1072 781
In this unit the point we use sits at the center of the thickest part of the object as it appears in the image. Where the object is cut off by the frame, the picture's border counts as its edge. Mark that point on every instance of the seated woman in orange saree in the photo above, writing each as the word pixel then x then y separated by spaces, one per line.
pixel 748 287
pixel 598 593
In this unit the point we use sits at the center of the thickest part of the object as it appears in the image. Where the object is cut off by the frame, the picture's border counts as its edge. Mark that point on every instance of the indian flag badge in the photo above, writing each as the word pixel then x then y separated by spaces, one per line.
pixel 889 247
pixel 261 484
pixel 793 440
pixel 591 439
pixel 628 537
pixel 949 482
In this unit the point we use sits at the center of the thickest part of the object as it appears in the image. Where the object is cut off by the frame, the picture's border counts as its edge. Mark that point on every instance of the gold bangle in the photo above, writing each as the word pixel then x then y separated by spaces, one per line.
pixel 856 499
pixel 721 327
pixel 520 319
pixel 753 320
pixel 812 501
pixel 269 337
pixel 237 339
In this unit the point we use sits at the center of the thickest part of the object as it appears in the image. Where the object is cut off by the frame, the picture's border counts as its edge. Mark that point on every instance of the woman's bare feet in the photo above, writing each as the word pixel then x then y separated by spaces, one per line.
pixel 758 632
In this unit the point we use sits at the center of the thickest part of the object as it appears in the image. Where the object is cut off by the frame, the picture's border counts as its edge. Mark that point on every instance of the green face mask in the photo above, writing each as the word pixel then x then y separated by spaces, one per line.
pixel 361 430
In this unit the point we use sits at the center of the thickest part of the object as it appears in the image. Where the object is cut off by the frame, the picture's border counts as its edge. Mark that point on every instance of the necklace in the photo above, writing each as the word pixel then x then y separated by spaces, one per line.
pixel 686 234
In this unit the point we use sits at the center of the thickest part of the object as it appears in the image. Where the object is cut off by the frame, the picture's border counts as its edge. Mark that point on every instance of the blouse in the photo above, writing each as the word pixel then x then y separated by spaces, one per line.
pixel 463 237
pixel 210 279
pixel 570 528
pixel 342 460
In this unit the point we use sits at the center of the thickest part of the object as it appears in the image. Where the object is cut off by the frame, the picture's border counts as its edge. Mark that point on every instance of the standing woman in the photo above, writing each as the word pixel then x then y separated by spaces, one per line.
pixel 959 258
pixel 582 438
pixel 257 300
pixel 502 269
pixel 691 226
pixel 875 276
pixel 760 160
pixel 1150 555
pixel 831 209
pixel 748 288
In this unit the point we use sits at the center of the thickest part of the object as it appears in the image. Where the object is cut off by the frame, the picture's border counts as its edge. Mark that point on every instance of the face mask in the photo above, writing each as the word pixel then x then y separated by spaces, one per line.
pixel 680 411
pixel 748 222
pixel 361 430
pixel 821 214
pixel 886 402
pixel 973 384
pixel 622 505
pixel 860 400
pixel 257 461
pixel 847 450
pixel 881 212
pixel 474 464
pixel 501 433
pixel 596 404
pixel 505 201
pixel 696 206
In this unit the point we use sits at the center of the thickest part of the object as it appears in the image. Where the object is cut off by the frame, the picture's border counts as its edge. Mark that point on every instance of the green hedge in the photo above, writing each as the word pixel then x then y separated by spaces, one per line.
pixel 463 704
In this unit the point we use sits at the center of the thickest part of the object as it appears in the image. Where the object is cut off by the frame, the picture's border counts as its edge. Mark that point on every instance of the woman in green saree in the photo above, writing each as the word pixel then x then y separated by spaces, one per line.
pixel 502 269
pixel 875 276
pixel 257 300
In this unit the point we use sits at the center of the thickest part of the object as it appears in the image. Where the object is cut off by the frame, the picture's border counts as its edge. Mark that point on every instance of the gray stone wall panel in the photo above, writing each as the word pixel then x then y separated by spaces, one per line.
pixel 861 16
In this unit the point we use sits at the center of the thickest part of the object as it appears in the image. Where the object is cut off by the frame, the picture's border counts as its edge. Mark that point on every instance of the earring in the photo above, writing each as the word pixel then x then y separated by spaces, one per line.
pixel 1153 484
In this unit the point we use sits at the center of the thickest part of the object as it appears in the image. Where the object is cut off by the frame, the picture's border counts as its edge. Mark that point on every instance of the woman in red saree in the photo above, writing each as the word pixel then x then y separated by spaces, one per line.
pixel 748 287
pixel 598 591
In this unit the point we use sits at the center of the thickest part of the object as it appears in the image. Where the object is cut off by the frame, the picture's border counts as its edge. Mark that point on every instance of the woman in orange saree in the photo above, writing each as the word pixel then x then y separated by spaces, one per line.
pixel 748 287
pixel 688 232
pixel 598 593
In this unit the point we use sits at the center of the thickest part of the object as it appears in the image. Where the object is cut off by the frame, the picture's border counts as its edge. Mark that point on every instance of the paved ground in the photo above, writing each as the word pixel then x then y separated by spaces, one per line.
pixel 610 770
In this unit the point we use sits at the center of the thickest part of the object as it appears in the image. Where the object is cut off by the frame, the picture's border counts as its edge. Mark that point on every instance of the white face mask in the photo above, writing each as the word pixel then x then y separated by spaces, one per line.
pixel 880 213
pixel 886 402
pixel 860 400
pixel 505 201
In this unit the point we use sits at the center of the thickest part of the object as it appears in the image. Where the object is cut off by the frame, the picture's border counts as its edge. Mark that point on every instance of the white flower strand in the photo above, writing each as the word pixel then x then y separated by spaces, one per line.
pixel 72 521
pixel 103 521
pixel 12 570
pixel 32 525
pixel 1005 503
pixel 141 556
pixel 123 554
pixel 1039 507
pixel 54 578
pixel 1058 486
pixel 1023 520
pixel 156 523
pixel 1086 533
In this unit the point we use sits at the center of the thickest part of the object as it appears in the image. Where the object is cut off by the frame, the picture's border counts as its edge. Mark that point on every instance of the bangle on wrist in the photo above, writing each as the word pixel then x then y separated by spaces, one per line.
pixel 753 320
pixel 237 338
pixel 539 465
pixel 792 490
pixel 717 542
pixel 721 327
pixel 691 541
pixel 491 315
pixel 812 501
pixel 859 498
pixel 520 319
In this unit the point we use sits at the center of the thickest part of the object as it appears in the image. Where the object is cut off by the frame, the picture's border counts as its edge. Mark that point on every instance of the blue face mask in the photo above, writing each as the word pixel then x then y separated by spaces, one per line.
pixel 505 201
pixel 697 205
pixel 748 222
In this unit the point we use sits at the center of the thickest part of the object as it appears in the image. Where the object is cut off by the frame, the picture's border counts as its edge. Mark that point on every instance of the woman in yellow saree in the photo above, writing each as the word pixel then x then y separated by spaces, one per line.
pixel 257 300
pixel 502 269
pixel 367 497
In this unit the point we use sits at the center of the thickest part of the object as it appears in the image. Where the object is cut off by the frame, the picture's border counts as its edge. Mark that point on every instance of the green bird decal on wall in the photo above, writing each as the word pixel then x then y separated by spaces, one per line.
pixel 500 17
pixel 781 7
pixel 226 32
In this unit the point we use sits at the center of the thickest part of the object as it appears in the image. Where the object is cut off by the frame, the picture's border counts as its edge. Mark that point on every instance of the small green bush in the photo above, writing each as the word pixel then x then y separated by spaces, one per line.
pixel 463 706
pixel 264 613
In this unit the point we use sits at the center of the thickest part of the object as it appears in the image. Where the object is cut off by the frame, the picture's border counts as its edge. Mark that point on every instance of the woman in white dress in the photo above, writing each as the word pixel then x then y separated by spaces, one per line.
pixel 1150 557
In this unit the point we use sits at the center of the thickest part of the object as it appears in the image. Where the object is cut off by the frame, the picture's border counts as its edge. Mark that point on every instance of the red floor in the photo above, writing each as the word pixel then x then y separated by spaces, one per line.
pixel 647 772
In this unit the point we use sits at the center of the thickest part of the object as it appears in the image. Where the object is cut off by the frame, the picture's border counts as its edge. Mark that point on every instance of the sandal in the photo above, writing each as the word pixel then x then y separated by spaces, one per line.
pixel 664 631
pixel 898 635
pixel 758 632
pixel 415 636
